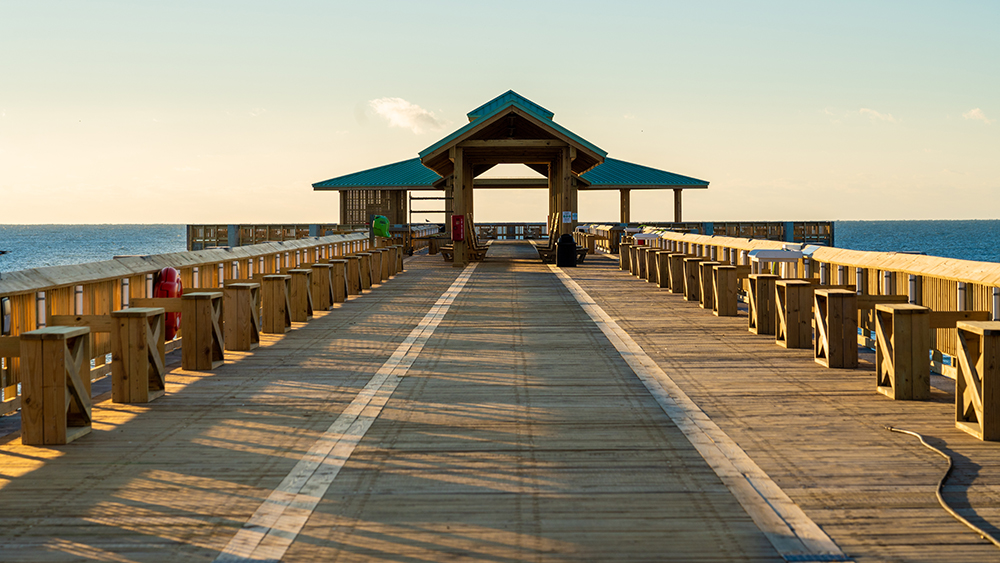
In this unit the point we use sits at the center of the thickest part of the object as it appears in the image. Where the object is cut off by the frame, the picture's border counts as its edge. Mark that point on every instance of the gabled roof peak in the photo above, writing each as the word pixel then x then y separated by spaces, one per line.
pixel 508 98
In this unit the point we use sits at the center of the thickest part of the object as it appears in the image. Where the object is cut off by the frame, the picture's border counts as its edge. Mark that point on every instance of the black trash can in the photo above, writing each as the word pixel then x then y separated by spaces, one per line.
pixel 566 251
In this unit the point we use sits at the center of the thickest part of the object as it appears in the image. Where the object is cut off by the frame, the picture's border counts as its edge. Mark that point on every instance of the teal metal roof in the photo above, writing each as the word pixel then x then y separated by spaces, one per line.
pixel 615 172
pixel 512 102
pixel 503 99
pixel 408 173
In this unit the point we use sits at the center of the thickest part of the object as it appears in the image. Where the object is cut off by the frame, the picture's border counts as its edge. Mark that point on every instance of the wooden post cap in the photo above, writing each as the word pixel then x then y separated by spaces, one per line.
pixel 337 261
pixel 764 277
pixel 828 292
pixel 138 312
pixel 203 295
pixel 792 283
pixel 243 285
pixel 902 308
pixel 277 277
pixel 984 328
pixel 300 271
pixel 55 333
pixel 724 267
pixel 314 266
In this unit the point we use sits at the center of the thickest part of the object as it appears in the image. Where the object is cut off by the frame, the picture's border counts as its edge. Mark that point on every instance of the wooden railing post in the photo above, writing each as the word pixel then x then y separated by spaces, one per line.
pixel 902 351
pixel 277 308
pixel 977 388
pixel 201 326
pixel 301 295
pixel 793 301
pixel 724 284
pixel 55 391
pixel 242 316
pixel 675 263
pixel 836 314
pixel 138 354
pixel 761 303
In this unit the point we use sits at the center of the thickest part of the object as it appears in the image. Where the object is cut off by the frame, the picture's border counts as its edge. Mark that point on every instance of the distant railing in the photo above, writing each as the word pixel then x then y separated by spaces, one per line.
pixel 941 284
pixel 201 237
pixel 29 298
pixel 511 231
pixel 811 232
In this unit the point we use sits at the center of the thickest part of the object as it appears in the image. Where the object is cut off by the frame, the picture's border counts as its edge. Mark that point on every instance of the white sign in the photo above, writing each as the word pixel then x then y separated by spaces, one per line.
pixel 567 216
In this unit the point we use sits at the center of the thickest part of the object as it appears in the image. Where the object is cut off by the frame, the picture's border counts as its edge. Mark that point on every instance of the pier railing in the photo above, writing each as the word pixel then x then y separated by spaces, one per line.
pixel 29 298
pixel 202 237
pixel 942 284
pixel 609 235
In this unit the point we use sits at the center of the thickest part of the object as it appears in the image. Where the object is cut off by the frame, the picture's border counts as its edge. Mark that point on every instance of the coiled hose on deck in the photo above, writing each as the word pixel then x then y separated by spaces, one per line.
pixel 940 485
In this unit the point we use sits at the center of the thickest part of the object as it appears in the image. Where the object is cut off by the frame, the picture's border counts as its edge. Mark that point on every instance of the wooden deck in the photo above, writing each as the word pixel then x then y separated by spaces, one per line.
pixel 483 415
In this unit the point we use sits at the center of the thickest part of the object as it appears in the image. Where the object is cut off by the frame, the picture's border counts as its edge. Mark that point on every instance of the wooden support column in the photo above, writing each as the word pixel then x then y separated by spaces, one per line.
pixel 461 254
pixel 677 206
pixel 241 312
pixel 626 205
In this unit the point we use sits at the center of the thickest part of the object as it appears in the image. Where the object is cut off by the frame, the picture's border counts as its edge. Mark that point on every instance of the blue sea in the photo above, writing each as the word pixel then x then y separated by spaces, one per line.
pixel 33 246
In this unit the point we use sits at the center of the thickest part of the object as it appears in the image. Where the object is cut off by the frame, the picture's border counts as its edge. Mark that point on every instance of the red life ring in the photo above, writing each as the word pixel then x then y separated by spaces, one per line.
pixel 168 284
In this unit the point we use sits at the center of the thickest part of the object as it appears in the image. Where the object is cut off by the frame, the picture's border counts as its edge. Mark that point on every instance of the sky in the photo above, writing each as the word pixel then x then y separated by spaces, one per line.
pixel 218 111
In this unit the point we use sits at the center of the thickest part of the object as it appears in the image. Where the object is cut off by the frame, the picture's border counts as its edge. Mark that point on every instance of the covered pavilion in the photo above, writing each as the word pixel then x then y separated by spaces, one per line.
pixel 509 129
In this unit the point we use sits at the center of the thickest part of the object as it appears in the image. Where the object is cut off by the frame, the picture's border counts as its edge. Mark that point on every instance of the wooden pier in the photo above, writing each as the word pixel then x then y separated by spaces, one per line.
pixel 506 411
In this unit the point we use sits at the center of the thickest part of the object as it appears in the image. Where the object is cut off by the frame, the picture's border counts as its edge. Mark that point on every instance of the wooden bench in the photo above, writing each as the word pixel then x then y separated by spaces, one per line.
pixel 663 269
pixel 321 287
pixel 836 315
pixel 353 275
pixel 793 301
pixel 241 306
pixel 365 269
pixel 277 309
pixel 300 295
pixel 201 326
pixel 624 257
pixel 675 263
pixel 761 303
pixel 55 389
pixel 902 350
pixel 338 275
pixel 707 290
pixel 692 278
pixel 724 284
pixel 977 388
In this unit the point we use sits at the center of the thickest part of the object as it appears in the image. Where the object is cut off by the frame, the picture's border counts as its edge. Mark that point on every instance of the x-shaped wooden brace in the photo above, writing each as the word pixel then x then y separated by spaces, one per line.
pixel 157 370
pixel 883 336
pixel 822 339
pixel 972 397
pixel 780 298
pixel 217 339
pixel 76 354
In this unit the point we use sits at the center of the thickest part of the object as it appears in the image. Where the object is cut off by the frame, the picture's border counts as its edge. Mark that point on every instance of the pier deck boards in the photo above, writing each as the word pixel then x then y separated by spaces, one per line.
pixel 518 434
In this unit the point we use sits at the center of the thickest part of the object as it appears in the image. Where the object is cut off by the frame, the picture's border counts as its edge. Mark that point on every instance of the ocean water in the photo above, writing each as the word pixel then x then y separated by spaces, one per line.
pixel 965 239
pixel 33 246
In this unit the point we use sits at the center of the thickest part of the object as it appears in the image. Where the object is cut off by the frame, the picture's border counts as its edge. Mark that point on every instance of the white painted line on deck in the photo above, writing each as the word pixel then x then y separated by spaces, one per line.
pixel 793 534
pixel 267 535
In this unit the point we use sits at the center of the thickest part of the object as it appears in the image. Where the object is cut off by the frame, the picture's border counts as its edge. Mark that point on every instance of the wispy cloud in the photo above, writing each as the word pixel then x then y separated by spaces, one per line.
pixel 877 116
pixel 401 113
pixel 978 114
